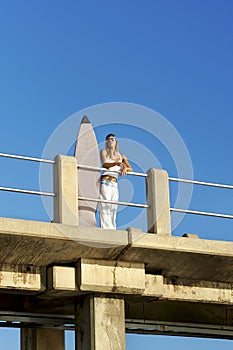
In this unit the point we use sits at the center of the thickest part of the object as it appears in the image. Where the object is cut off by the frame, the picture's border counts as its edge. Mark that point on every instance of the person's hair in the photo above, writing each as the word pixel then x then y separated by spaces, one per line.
pixel 113 135
pixel 106 138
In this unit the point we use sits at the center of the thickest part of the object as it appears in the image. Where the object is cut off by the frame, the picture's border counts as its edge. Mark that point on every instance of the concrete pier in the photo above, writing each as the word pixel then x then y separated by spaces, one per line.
pixel 100 323
pixel 41 339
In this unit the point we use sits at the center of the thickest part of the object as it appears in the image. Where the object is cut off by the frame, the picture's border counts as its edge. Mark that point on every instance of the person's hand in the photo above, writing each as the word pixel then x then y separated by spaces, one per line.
pixel 123 169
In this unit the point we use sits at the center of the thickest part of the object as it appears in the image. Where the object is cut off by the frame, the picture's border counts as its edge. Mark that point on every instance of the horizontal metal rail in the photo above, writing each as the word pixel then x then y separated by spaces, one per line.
pixel 13 324
pixel 179 329
pixel 34 320
pixel 89 167
pixel 81 166
pixel 40 160
pixel 10 189
pixel 113 202
pixel 201 213
pixel 132 326
pixel 194 182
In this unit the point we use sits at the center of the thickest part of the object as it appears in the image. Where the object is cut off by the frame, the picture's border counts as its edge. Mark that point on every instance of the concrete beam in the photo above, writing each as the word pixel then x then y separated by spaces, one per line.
pixel 94 275
pixel 105 276
pixel 158 213
pixel 61 281
pixel 110 276
pixel 100 323
pixel 22 278
pixel 188 291
pixel 184 312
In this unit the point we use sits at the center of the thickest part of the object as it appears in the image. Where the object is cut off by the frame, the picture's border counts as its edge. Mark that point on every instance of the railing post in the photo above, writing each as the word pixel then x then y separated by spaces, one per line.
pixel 158 213
pixel 65 183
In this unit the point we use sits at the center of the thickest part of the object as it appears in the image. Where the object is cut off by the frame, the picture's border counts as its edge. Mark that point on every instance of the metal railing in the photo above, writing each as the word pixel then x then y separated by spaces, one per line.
pixel 202 183
pixel 204 213
pixel 25 191
pixel 40 160
pixel 18 190
pixel 80 166
pixel 89 167
pixel 140 205
pixel 194 182
pixel 178 210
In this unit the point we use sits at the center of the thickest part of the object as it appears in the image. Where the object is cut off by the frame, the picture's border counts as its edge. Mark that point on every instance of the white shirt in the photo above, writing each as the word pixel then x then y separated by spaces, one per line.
pixel 110 171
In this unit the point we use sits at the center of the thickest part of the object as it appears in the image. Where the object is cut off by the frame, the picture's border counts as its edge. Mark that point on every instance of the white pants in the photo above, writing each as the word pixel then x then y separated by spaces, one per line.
pixel 108 191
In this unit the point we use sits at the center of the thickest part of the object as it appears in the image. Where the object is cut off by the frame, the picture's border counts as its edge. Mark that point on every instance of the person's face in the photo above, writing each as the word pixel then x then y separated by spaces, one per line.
pixel 111 142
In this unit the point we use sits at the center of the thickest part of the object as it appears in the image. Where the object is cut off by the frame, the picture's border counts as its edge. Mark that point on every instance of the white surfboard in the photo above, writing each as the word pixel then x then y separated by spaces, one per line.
pixel 87 153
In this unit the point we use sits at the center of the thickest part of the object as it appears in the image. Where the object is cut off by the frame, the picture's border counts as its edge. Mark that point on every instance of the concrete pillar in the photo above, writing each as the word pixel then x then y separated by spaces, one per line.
pixel 66 190
pixel 42 339
pixel 100 323
pixel 158 213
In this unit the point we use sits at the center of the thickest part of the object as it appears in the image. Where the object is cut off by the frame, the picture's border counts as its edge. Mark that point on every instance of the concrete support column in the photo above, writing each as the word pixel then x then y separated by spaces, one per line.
pixel 66 190
pixel 100 323
pixel 42 339
pixel 158 213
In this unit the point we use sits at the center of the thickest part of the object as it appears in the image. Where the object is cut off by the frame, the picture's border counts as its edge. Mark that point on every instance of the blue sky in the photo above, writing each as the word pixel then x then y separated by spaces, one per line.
pixel 172 56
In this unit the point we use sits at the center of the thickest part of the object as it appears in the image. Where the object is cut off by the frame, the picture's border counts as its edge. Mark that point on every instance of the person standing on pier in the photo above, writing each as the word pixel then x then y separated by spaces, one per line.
pixel 115 163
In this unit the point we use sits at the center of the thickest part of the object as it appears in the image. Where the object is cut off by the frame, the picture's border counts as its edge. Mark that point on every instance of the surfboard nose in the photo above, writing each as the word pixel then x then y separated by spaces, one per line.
pixel 85 120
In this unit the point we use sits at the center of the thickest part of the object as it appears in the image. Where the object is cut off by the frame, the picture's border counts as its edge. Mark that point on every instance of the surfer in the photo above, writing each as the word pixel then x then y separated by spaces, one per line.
pixel 114 162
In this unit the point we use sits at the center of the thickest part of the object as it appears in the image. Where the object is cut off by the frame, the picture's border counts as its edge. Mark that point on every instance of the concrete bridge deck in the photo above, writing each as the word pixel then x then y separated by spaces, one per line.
pixel 24 242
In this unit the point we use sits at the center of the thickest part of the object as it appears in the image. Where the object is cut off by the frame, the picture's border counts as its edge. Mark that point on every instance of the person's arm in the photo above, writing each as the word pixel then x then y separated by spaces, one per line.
pixel 105 164
pixel 125 165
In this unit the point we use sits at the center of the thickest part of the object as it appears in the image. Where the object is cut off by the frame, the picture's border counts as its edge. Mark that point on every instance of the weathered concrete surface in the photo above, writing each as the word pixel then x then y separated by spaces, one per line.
pixel 22 278
pixel 61 280
pixel 158 199
pixel 182 257
pixel 110 276
pixel 188 290
pixel 94 275
pixel 42 339
pixel 65 183
pixel 41 244
pixel 100 323
pixel 124 278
